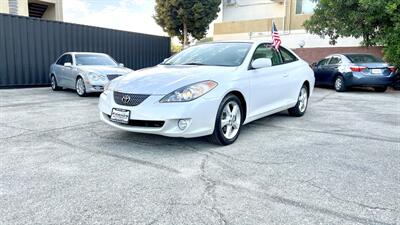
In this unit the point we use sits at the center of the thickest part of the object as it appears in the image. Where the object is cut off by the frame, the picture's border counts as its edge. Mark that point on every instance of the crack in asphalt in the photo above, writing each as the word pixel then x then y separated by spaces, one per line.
pixel 329 192
pixel 40 132
pixel 326 132
pixel 251 161
pixel 120 157
pixel 305 206
pixel 209 193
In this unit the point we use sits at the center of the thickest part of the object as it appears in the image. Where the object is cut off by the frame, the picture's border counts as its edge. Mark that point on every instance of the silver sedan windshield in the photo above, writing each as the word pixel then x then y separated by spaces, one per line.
pixel 214 54
pixel 94 60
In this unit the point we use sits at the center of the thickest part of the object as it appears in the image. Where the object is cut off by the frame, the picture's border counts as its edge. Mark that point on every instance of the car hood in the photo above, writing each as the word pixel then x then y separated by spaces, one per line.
pixel 162 80
pixel 105 70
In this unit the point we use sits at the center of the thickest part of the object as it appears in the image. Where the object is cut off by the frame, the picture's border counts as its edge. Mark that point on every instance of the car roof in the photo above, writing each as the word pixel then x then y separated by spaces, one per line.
pixel 89 53
pixel 243 41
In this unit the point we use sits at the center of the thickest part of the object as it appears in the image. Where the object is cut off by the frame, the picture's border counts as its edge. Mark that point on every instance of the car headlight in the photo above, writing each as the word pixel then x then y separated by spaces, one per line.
pixel 95 77
pixel 190 92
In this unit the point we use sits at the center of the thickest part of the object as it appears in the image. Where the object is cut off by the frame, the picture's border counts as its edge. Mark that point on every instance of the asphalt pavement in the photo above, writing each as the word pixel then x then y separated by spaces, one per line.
pixel 339 164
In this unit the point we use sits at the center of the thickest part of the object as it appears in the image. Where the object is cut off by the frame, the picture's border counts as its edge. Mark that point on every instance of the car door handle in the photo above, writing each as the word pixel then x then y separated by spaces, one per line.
pixel 285 75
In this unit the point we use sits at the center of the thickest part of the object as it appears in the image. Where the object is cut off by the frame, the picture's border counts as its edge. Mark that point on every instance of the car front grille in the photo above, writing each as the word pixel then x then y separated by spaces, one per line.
pixel 113 76
pixel 129 99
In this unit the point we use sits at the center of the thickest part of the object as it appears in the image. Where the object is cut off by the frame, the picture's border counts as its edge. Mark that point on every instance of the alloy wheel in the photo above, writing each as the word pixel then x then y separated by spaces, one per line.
pixel 338 83
pixel 80 86
pixel 230 120
pixel 303 99
pixel 53 82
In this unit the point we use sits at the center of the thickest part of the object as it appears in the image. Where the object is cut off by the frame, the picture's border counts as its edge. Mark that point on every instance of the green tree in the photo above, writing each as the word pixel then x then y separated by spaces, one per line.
pixel 181 18
pixel 377 22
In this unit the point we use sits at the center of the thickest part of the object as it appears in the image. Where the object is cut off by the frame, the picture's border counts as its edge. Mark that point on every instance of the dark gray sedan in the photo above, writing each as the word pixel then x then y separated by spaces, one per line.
pixel 348 70
pixel 85 72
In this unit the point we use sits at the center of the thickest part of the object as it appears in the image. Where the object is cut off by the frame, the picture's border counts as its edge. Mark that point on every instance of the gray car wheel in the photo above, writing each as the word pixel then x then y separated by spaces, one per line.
pixel 80 87
pixel 228 121
pixel 53 82
pixel 302 102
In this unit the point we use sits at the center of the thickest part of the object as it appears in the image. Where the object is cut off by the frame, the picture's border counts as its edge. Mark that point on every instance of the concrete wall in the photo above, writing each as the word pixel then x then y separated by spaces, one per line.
pixel 53 12
pixel 260 9
pixel 249 17
pixel 4 6
pixel 315 54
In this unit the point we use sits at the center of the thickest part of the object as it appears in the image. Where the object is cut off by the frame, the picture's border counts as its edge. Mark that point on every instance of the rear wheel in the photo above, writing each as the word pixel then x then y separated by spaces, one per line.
pixel 380 89
pixel 54 85
pixel 80 87
pixel 228 121
pixel 339 84
pixel 300 108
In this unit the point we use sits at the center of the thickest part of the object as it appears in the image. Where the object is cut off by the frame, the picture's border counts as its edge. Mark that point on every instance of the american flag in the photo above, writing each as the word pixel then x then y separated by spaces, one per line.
pixel 275 37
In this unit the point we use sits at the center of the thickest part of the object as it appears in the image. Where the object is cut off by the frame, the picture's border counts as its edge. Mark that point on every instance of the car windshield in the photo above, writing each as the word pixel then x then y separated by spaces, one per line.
pixel 359 58
pixel 213 54
pixel 94 60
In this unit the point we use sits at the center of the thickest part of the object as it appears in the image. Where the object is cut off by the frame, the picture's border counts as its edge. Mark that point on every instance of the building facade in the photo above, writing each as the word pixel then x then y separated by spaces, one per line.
pixel 252 19
pixel 45 9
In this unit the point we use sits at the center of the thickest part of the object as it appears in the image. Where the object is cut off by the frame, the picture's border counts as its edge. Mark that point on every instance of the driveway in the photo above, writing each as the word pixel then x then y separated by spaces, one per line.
pixel 339 164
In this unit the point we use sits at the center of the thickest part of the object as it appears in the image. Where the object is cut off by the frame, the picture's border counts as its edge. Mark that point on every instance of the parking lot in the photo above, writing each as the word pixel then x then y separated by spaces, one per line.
pixel 339 164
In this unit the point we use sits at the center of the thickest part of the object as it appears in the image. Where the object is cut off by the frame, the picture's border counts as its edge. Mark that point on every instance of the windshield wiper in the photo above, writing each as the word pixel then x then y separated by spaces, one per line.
pixel 194 64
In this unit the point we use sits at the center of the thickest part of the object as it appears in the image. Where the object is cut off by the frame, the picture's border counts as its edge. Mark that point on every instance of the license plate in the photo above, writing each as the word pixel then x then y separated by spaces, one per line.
pixel 376 71
pixel 120 115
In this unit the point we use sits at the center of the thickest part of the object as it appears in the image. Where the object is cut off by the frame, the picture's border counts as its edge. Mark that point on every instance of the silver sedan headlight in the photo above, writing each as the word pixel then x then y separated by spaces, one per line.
pixel 190 92
pixel 95 77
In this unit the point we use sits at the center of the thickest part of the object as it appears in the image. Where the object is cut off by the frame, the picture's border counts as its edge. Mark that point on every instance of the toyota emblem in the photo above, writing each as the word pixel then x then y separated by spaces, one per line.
pixel 125 99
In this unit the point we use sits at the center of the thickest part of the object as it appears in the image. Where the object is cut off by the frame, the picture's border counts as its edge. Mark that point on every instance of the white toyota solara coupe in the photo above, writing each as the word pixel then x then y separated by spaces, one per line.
pixel 210 89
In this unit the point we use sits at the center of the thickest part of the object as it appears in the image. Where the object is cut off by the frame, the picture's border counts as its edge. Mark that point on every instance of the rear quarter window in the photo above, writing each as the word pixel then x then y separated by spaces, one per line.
pixel 364 59
pixel 287 56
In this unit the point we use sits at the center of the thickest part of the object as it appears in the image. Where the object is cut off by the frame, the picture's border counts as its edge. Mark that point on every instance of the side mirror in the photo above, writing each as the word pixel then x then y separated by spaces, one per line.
pixel 67 64
pixel 261 63
pixel 121 65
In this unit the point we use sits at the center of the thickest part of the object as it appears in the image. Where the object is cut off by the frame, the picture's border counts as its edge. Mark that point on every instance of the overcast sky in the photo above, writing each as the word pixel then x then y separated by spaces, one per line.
pixel 130 15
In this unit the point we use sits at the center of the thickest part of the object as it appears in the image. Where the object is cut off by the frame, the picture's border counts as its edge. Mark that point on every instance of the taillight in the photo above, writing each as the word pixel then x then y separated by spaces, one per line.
pixel 392 69
pixel 357 68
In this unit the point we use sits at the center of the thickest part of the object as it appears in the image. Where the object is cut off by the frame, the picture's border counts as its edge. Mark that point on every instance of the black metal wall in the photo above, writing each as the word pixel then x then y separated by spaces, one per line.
pixel 29 46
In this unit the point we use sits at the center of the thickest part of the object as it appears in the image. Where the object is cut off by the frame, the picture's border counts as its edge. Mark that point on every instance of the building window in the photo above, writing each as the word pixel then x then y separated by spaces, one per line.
pixel 305 6
pixel 13 7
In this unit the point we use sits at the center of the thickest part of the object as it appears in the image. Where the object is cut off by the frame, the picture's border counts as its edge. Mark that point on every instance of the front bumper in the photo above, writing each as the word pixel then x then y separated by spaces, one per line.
pixel 201 114
pixel 360 79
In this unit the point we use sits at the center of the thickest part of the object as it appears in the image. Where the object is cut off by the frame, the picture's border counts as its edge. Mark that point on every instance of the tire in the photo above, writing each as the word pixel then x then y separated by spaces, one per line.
pixel 380 89
pixel 80 87
pixel 54 85
pixel 227 126
pixel 339 84
pixel 302 103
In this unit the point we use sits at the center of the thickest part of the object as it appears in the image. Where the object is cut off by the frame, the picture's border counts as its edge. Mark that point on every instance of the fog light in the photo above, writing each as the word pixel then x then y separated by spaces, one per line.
pixel 183 124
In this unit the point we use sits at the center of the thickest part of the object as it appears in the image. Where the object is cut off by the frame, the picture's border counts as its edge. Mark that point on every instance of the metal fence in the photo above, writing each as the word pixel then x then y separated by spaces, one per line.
pixel 28 46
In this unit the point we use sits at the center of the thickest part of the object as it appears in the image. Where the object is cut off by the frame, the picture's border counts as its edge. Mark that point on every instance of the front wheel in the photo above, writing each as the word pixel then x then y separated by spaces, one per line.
pixel 54 85
pixel 80 87
pixel 228 121
pixel 302 102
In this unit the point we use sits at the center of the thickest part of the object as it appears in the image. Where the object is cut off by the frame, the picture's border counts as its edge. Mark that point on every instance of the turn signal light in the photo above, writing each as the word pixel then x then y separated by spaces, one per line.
pixel 357 68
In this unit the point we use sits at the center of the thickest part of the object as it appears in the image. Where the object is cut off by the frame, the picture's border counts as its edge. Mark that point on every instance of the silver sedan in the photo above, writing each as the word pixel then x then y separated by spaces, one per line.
pixel 85 72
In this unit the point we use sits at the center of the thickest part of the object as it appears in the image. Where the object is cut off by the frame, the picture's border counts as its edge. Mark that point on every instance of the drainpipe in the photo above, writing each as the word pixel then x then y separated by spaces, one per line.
pixel 284 16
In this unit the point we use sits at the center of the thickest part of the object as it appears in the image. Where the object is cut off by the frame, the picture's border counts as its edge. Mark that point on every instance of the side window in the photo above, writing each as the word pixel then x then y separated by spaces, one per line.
pixel 287 56
pixel 265 51
pixel 61 60
pixel 68 59
pixel 322 62
pixel 334 61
